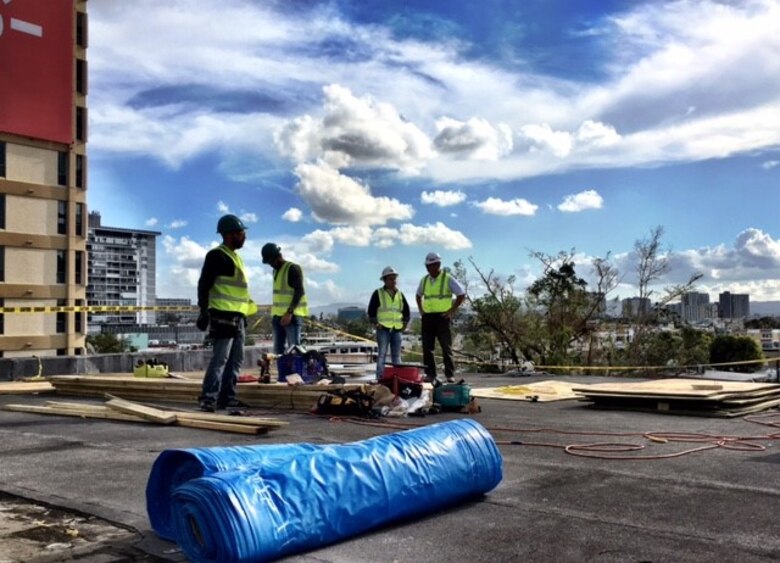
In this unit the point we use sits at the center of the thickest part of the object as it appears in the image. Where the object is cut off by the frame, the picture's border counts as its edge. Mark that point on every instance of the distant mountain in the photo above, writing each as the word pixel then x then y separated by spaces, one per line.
pixel 765 308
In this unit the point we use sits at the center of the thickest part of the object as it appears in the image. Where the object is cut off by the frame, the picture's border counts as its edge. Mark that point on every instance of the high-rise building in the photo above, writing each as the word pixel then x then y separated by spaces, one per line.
pixel 695 306
pixel 43 175
pixel 634 306
pixel 122 271
pixel 733 305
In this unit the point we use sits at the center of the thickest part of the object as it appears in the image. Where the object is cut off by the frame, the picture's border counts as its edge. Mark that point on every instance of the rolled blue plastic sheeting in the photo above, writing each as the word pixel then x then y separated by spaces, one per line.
pixel 315 498
pixel 177 466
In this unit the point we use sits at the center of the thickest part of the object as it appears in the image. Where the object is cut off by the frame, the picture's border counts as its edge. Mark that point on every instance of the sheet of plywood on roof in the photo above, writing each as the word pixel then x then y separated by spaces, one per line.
pixel 719 413
pixel 765 393
pixel 677 388
pixel 544 391
pixel 25 387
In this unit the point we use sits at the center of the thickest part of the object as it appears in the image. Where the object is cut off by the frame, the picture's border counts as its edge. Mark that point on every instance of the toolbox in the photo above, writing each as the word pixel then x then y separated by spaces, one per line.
pixel 452 395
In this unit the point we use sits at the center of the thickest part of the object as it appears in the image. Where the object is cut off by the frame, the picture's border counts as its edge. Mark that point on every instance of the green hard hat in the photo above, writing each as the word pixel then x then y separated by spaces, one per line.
pixel 229 223
pixel 270 252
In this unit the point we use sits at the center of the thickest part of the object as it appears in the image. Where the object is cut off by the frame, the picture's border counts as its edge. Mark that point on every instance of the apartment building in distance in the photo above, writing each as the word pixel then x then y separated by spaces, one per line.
pixel 43 176
pixel 733 305
pixel 122 272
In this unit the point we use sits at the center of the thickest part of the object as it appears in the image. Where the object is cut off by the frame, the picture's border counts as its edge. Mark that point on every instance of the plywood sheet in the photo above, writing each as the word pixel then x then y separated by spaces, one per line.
pixel 678 388
pixel 540 391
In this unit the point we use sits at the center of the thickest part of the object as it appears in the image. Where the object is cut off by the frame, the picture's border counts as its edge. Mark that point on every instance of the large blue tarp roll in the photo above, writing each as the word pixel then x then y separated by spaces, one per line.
pixel 315 498
pixel 175 467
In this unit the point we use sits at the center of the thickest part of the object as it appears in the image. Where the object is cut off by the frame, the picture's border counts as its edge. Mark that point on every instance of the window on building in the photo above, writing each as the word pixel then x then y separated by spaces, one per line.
pixel 62 217
pixel 80 162
pixel 81 76
pixel 62 266
pixel 62 168
pixel 81 29
pixel 2 263
pixel 81 124
pixel 2 158
pixel 78 318
pixel 62 352
pixel 79 267
pixel 2 317
pixel 2 211
pixel 80 219
pixel 62 318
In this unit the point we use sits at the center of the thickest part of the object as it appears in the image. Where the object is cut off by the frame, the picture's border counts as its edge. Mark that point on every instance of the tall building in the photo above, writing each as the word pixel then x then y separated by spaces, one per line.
pixel 122 271
pixel 733 305
pixel 634 306
pixel 43 175
pixel 695 306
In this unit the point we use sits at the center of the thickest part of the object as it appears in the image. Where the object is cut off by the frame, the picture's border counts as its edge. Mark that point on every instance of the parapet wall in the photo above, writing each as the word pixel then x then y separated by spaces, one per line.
pixel 177 360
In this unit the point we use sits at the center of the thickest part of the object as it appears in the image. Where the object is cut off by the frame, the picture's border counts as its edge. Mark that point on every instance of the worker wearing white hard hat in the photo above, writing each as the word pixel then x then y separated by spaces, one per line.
pixel 436 304
pixel 389 311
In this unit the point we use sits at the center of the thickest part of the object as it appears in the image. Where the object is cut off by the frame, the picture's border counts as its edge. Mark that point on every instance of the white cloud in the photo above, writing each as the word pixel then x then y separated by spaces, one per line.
pixel 597 134
pixel 177 224
pixel 337 198
pixel 151 221
pixel 247 217
pixel 437 234
pixel 542 137
pixel 355 132
pixel 222 207
pixel 769 164
pixel 293 215
pixel 443 198
pixel 475 138
pixel 574 203
pixel 497 206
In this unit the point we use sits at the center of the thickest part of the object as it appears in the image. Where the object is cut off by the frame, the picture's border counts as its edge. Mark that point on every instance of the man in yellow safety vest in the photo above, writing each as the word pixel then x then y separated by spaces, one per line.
pixel 289 306
pixel 388 310
pixel 224 301
pixel 434 300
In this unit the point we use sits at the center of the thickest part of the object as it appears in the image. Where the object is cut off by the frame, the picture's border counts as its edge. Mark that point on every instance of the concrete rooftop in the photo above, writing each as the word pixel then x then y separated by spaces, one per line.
pixel 716 505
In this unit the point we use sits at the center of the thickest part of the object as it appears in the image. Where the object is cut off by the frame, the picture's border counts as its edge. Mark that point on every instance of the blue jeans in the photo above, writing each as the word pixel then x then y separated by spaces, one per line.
pixel 385 336
pixel 286 336
pixel 219 383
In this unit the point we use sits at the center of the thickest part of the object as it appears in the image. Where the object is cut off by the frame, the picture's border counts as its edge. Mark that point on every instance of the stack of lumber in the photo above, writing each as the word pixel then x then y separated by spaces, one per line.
pixel 25 387
pixel 266 395
pixel 540 391
pixel 127 411
pixel 685 396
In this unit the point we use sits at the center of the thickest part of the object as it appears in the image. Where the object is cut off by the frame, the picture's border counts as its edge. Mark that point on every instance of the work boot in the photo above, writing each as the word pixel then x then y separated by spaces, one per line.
pixel 450 380
pixel 207 406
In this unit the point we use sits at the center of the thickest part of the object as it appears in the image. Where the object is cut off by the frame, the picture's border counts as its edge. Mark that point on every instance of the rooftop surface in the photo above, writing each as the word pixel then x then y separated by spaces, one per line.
pixel 713 505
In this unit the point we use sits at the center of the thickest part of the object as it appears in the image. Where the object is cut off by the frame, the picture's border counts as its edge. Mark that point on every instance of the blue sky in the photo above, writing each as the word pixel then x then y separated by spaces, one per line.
pixel 361 134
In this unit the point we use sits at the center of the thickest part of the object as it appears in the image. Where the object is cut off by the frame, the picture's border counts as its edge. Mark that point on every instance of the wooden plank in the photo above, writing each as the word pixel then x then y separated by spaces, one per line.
pixel 106 414
pixel 677 387
pixel 245 420
pixel 25 387
pixel 222 426
pixel 149 413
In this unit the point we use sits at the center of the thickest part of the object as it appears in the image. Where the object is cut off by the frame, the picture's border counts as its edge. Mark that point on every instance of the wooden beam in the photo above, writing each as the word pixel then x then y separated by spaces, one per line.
pixel 149 413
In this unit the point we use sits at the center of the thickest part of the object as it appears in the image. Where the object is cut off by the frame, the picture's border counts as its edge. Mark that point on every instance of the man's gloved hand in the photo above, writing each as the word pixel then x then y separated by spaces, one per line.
pixel 203 321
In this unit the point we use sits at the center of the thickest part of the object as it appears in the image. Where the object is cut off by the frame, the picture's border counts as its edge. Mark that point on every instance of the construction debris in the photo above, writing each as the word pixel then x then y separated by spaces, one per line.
pixel 684 396
pixel 126 411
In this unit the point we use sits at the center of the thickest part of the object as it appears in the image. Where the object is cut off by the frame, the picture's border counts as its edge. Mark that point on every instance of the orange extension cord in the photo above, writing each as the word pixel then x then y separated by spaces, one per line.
pixel 611 450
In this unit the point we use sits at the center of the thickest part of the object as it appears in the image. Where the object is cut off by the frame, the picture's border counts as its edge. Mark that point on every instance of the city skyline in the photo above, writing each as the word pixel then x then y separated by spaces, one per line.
pixel 360 135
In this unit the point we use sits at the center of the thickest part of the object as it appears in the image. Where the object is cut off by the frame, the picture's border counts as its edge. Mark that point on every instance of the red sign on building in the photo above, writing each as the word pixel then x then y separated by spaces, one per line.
pixel 36 68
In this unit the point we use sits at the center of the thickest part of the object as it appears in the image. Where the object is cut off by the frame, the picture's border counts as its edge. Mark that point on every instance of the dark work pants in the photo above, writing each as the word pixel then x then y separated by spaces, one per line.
pixel 437 327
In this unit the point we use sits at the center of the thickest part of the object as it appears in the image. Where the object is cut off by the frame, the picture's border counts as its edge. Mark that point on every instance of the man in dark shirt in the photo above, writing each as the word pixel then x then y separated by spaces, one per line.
pixel 224 302
pixel 290 305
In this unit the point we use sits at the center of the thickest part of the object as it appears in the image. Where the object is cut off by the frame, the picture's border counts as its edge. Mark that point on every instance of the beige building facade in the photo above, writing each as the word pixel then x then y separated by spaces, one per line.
pixel 43 227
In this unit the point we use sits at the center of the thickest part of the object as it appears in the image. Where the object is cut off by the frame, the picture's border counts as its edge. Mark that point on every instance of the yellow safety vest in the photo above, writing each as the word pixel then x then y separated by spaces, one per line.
pixel 390 313
pixel 231 293
pixel 283 295
pixel 437 296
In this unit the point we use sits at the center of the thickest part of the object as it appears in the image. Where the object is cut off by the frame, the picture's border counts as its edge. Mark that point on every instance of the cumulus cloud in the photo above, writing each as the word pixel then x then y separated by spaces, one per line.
pixel 497 206
pixel 543 137
pixel 443 198
pixel 475 138
pixel 222 207
pixel 177 224
pixel 337 198
pixel 769 164
pixel 293 215
pixel 437 234
pixel 597 134
pixel 151 221
pixel 355 132
pixel 247 217
pixel 574 203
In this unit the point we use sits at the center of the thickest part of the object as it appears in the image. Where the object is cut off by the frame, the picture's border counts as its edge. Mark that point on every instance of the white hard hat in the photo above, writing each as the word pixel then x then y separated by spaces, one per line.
pixel 389 271
pixel 432 258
